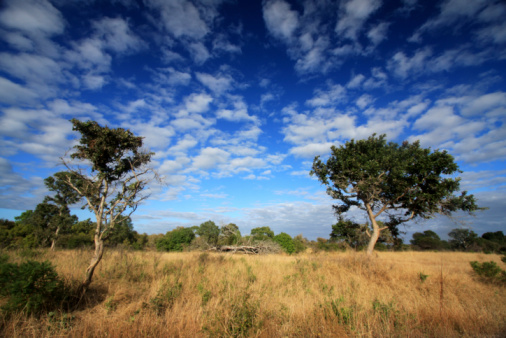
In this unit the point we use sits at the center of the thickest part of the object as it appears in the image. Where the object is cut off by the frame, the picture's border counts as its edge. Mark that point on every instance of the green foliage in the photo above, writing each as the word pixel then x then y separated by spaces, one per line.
pixel 30 287
pixel 422 277
pixel 348 232
pixel 299 243
pixel 428 240
pixel 229 234
pixel 486 269
pixel 210 232
pixel 175 240
pixel 262 233
pixel 405 181
pixel 286 242
pixel 113 153
pixel 462 239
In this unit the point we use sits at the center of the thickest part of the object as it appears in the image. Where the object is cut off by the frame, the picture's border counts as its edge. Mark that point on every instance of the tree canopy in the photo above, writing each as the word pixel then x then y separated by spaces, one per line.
pixel 113 181
pixel 401 182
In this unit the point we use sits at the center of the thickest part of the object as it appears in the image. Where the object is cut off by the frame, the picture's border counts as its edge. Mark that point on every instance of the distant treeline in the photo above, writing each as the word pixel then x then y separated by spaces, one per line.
pixel 32 230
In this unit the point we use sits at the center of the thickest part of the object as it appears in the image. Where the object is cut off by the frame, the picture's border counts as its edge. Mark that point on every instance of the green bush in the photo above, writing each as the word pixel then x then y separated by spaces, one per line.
pixel 175 240
pixel 489 272
pixel 486 269
pixel 30 287
pixel 286 242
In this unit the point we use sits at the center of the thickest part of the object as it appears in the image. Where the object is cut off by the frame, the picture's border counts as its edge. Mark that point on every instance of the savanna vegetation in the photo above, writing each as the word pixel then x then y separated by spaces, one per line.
pixel 191 282
pixel 201 294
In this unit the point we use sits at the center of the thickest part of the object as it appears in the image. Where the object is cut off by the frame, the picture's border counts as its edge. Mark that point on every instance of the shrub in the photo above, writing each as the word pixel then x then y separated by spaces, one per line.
pixel 286 242
pixel 486 269
pixel 175 240
pixel 30 287
pixel 489 272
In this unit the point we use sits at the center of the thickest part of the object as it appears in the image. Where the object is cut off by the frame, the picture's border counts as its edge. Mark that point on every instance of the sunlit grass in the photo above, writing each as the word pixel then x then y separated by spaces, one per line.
pixel 328 294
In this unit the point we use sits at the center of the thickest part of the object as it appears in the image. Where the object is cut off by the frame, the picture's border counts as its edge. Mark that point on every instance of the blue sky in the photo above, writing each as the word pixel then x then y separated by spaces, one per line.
pixel 237 97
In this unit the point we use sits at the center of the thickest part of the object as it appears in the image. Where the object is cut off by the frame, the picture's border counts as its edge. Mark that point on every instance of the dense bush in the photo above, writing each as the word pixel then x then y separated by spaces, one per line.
pixel 489 271
pixel 30 287
pixel 175 240
pixel 286 242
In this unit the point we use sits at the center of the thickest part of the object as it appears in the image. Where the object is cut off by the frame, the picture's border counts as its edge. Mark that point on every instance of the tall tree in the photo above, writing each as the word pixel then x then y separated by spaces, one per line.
pixel 462 239
pixel 114 174
pixel 49 219
pixel 210 232
pixel 262 233
pixel 403 182
pixel 63 197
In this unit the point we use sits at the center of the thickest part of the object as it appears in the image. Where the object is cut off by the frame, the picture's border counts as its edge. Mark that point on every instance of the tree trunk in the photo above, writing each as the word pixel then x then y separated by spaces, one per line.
pixel 99 251
pixel 375 231
pixel 53 242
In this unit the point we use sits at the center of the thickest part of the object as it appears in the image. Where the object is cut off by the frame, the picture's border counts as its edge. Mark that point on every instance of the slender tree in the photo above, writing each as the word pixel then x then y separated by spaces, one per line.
pixel 404 182
pixel 63 197
pixel 114 174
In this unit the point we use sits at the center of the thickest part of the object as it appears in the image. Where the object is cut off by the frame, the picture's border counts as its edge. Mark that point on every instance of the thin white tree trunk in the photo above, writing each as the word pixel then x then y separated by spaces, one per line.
pixel 375 231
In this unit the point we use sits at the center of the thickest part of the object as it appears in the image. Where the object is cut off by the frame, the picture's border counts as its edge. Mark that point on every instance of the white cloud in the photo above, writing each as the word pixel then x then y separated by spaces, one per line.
pixel 378 33
pixel 354 13
pixel 31 68
pixel 364 100
pixel 117 35
pixel 356 81
pixel 32 17
pixel 280 20
pixel 491 104
pixel 13 93
pixel 403 66
pixel 210 157
pixel 18 192
pixel 451 11
pixel 333 95
pixel 311 150
pixel 93 81
pixel 199 52
pixel 198 103
pixel 180 18
pixel 218 84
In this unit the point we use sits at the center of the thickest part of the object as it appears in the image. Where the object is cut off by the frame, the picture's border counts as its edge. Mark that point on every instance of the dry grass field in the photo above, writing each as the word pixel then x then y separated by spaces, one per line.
pixel 398 294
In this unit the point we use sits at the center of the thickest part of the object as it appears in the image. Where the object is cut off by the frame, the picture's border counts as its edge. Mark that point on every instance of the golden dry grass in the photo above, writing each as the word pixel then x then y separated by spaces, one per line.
pixel 147 294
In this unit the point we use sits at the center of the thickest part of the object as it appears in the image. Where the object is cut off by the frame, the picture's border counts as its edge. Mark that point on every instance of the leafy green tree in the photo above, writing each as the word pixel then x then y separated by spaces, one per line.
pixel 49 220
pixel 24 232
pixel 123 233
pixel 497 237
pixel 402 182
pixel 229 234
pixel 112 183
pixel 64 197
pixel 462 239
pixel 262 233
pixel 428 240
pixel 348 232
pixel 210 232
pixel 299 243
pixel 286 242
pixel 80 235
pixel 175 240
pixel 5 228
